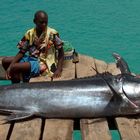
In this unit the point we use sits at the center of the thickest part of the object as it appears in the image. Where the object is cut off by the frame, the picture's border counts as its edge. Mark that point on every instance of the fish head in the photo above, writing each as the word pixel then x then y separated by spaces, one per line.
pixel 131 88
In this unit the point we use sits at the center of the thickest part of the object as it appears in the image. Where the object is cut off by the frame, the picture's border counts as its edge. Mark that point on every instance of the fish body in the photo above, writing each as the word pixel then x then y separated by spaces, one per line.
pixel 99 96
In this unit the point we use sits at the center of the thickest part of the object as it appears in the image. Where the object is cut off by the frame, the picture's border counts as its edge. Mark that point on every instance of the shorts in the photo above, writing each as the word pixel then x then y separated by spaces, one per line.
pixel 35 67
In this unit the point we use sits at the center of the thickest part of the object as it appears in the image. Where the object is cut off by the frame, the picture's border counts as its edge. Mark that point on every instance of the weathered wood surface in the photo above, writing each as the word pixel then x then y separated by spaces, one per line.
pixel 129 128
pixel 96 129
pixel 27 130
pixel 58 129
pixel 84 67
pixel 62 129
pixel 4 129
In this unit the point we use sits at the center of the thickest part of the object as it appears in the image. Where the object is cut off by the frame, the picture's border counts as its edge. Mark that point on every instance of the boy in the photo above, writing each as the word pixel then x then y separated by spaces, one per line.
pixel 41 43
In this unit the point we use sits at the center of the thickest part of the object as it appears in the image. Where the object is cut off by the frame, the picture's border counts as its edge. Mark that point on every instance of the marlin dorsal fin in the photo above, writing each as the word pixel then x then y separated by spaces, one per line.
pixel 121 64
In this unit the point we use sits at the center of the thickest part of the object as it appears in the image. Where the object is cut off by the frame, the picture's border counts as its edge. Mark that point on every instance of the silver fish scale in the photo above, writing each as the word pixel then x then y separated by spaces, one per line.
pixel 93 97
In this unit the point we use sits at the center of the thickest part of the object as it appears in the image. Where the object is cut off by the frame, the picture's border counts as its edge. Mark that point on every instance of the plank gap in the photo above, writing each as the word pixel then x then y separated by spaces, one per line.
pixel 10 130
pixel 76 124
pixel 42 129
pixel 77 132
pixel 112 123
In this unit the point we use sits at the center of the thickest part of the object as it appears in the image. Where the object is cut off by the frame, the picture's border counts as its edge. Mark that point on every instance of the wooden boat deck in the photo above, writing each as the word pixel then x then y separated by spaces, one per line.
pixel 63 129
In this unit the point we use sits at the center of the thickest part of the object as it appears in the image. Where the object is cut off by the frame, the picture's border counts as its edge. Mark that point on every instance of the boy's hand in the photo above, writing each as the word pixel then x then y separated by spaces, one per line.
pixel 57 73
pixel 8 73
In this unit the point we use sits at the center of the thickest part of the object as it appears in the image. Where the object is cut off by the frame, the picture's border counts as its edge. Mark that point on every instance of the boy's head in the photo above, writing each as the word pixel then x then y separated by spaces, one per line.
pixel 41 20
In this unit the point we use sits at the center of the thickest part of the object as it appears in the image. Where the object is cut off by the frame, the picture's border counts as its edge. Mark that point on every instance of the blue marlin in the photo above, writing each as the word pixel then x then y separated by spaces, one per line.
pixel 98 96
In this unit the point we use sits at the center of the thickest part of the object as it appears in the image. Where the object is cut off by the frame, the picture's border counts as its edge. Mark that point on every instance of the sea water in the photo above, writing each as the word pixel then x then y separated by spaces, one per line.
pixel 94 27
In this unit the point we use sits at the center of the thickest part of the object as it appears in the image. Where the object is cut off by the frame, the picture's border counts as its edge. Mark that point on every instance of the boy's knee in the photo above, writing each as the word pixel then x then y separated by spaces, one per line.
pixel 4 61
pixel 13 68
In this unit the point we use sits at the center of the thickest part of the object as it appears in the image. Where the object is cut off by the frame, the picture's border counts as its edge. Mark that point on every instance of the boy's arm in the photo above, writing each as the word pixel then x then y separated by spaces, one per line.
pixel 58 71
pixel 15 60
pixel 23 47
pixel 59 46
pixel 18 56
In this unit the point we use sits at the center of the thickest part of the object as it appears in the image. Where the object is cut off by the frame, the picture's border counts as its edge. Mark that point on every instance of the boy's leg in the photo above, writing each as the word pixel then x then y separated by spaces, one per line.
pixel 19 69
pixel 6 61
pixel 22 68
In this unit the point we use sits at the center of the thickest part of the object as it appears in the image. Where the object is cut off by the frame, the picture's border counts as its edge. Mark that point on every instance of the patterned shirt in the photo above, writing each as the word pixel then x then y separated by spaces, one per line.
pixel 49 38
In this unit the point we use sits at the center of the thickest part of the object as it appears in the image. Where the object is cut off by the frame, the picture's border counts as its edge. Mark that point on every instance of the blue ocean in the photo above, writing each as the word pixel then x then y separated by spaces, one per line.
pixel 94 27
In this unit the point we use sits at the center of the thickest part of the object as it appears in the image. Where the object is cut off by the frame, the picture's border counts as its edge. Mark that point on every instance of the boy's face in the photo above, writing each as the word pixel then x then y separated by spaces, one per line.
pixel 41 22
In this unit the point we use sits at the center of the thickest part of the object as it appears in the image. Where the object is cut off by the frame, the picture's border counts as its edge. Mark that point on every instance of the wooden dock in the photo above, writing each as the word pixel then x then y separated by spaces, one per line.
pixel 63 129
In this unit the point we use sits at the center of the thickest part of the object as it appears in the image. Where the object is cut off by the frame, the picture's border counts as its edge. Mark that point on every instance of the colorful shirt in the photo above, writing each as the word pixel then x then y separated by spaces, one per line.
pixel 46 51
pixel 27 43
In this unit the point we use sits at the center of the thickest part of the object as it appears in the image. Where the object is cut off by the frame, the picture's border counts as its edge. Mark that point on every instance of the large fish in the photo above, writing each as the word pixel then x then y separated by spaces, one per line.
pixel 99 96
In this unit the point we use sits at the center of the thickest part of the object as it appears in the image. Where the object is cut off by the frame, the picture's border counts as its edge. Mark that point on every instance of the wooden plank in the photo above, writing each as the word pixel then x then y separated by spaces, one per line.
pixel 112 68
pixel 4 128
pixel 40 79
pixel 100 65
pixel 129 128
pixel 96 129
pixel 84 67
pixel 58 129
pixel 27 130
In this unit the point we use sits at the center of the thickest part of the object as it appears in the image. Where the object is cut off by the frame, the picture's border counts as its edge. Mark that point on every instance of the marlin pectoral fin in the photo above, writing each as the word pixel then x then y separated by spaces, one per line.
pixel 122 95
pixel 18 116
pixel 126 99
